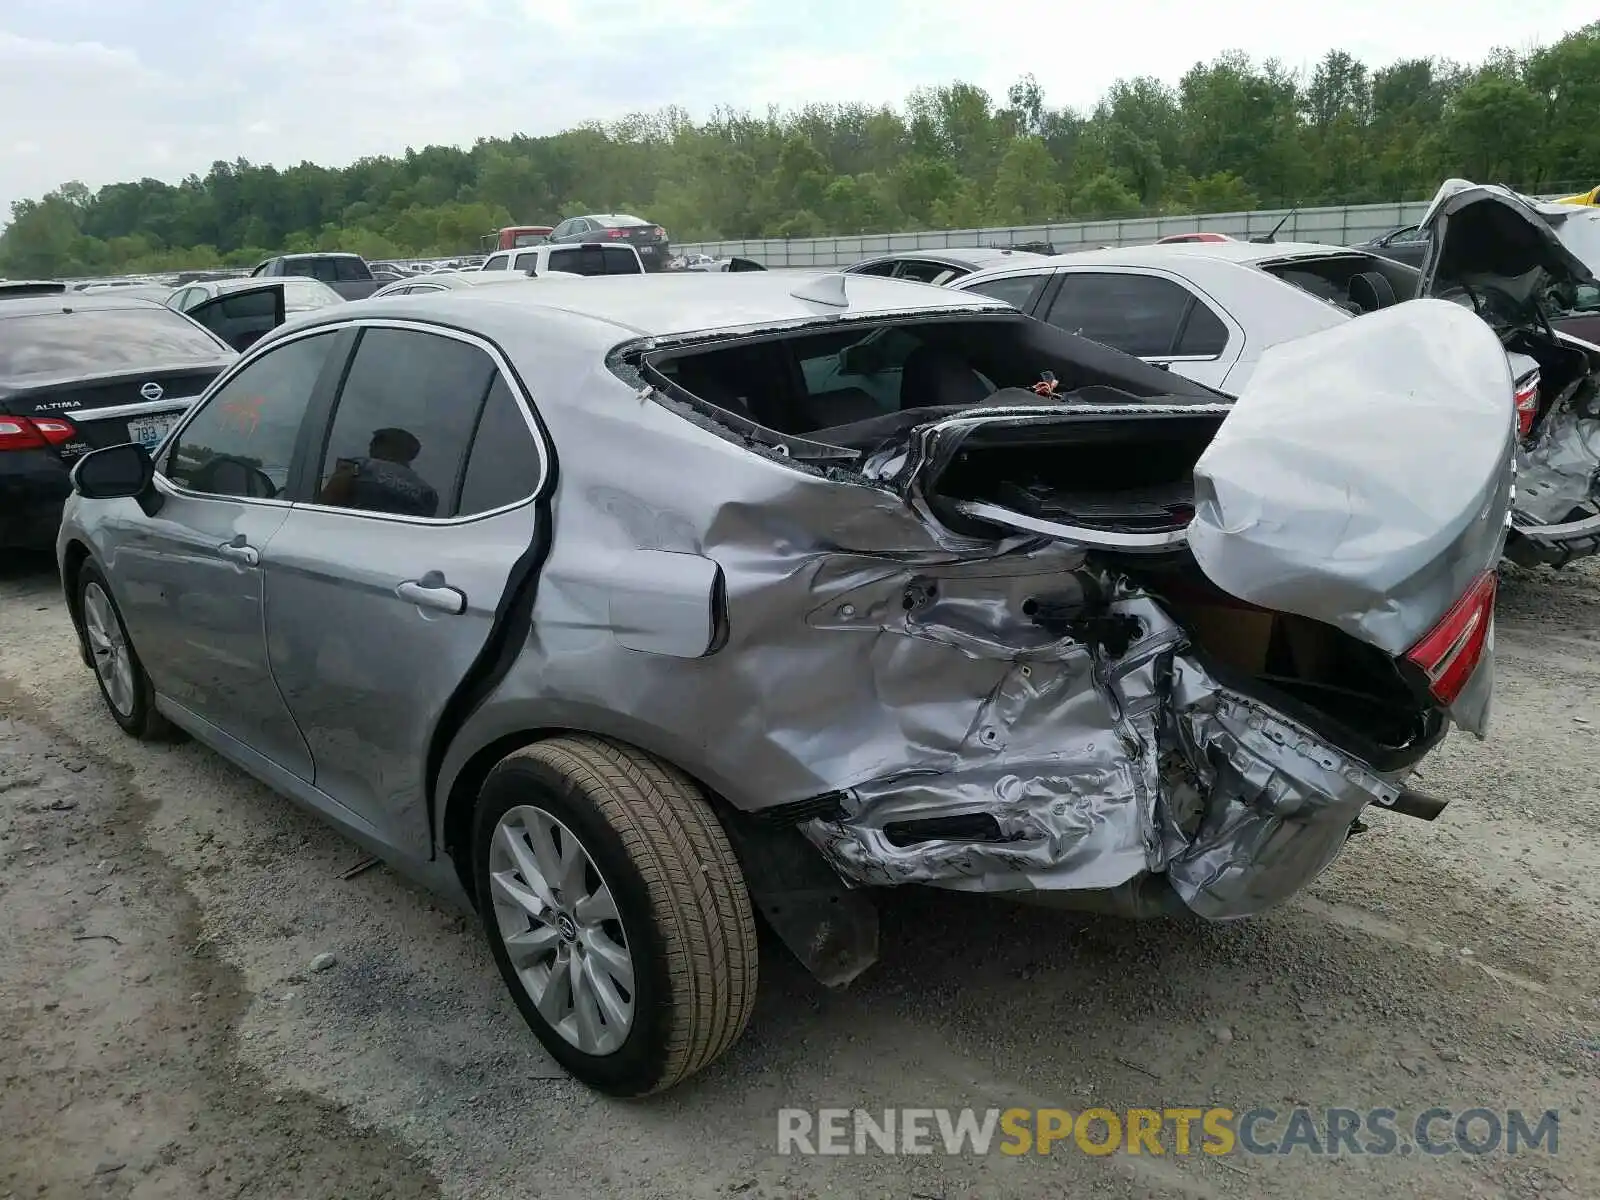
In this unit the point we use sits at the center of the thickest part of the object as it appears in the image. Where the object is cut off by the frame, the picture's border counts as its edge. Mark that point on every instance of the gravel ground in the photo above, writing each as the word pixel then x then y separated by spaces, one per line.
pixel 163 1034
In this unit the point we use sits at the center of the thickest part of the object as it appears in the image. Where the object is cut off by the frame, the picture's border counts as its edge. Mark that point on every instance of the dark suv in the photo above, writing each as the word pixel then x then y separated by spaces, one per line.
pixel 649 240
pixel 347 274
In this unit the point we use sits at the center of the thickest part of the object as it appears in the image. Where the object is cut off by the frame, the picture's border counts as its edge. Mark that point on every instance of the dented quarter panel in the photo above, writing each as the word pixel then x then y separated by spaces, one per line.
pixel 871 655
pixel 1364 475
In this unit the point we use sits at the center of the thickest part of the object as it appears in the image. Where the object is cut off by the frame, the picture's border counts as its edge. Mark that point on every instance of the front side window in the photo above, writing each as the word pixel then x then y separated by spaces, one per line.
pixel 403 422
pixel 925 272
pixel 242 442
pixel 496 262
pixel 351 270
pixel 1137 314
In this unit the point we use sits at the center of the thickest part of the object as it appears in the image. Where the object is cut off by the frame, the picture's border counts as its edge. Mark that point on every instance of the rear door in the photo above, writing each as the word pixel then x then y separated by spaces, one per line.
pixel 1152 315
pixel 241 318
pixel 426 500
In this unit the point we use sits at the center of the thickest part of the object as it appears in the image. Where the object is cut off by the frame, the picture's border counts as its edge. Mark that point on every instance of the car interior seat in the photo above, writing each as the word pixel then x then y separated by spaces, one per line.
pixel 935 377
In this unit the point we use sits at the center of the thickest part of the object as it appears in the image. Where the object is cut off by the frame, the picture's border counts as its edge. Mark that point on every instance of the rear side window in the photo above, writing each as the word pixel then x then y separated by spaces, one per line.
pixel 596 260
pixel 403 423
pixel 1137 314
pixel 242 442
pixel 1204 333
pixel 91 341
pixel 1016 290
pixel 351 270
pixel 503 466
pixel 496 262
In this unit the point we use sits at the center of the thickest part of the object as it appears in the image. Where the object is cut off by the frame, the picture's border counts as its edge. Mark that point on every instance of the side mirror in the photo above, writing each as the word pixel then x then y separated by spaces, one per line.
pixel 113 472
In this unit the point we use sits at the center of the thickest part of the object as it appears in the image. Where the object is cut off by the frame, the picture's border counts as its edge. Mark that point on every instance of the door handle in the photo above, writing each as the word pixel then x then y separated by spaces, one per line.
pixel 431 591
pixel 240 551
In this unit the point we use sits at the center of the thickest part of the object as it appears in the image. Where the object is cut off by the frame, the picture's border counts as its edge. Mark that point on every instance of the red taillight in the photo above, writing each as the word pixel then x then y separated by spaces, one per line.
pixel 661 233
pixel 1527 404
pixel 617 233
pixel 1448 653
pixel 32 433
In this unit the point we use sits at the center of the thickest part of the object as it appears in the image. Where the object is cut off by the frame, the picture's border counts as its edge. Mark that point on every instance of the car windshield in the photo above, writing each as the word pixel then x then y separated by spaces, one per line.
pixel 100 341
pixel 1357 283
pixel 619 222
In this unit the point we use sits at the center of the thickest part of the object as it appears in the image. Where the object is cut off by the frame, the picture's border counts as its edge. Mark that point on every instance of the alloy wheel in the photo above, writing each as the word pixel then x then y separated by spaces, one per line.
pixel 558 921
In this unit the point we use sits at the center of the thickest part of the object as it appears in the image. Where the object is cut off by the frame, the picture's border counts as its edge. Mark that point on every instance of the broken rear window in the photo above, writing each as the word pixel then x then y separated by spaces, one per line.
pixel 853 385
pixel 1357 283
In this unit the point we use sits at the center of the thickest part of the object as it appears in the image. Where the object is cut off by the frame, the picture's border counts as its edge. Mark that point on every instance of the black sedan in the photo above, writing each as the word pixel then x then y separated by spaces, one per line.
pixel 649 239
pixel 83 370
pixel 1405 245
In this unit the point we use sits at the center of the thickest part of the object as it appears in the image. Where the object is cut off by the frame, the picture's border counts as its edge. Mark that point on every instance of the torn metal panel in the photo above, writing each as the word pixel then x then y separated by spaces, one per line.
pixel 1561 470
pixel 1100 771
pixel 1364 475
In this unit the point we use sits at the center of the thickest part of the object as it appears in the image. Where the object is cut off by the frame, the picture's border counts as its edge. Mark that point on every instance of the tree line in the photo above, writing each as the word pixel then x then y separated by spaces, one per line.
pixel 1232 135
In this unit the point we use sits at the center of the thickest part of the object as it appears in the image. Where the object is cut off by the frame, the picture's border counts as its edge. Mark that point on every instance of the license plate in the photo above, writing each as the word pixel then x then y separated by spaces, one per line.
pixel 647 249
pixel 150 430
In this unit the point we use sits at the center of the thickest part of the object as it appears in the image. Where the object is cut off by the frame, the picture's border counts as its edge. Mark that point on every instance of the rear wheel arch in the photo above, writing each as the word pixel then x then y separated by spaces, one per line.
pixel 462 801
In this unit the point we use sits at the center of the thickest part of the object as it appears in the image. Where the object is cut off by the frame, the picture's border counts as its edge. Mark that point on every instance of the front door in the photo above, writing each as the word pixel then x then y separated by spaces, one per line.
pixel 384 587
pixel 191 580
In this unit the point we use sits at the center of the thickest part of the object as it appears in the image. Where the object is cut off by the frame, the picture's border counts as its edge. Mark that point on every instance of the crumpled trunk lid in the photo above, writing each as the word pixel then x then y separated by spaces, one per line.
pixel 1362 478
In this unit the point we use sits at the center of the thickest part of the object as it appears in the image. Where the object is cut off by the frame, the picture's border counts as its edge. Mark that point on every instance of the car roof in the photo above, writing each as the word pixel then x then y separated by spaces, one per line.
pixel 976 258
pixel 1176 254
pixel 317 254
pixel 225 286
pixel 687 302
pixel 74 302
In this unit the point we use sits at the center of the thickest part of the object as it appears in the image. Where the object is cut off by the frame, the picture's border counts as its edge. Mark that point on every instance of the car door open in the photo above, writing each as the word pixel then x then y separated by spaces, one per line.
pixel 241 318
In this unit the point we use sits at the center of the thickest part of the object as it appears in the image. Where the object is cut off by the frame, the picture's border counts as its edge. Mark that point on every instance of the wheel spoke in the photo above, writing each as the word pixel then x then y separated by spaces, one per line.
pixel 541 837
pixel 591 910
pixel 612 958
pixel 586 1007
pixel 515 844
pixel 574 867
pixel 555 1002
pixel 599 986
pixel 505 886
pixel 531 944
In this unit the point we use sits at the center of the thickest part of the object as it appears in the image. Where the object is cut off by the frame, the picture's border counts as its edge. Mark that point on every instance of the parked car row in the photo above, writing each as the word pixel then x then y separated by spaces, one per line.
pixel 1122 581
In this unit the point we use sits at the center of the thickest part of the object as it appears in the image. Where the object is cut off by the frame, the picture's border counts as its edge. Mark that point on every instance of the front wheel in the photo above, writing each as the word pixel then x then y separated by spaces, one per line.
pixel 616 912
pixel 123 683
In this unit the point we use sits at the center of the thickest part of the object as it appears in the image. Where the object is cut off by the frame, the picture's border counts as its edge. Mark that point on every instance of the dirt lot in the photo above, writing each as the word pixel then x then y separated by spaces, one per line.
pixel 162 1032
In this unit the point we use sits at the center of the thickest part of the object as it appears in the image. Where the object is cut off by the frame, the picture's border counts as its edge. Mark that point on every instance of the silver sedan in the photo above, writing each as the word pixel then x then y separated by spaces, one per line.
pixel 621 609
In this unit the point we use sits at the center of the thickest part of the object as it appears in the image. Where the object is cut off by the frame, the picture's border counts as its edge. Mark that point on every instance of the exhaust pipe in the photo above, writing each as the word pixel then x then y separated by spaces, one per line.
pixel 1421 805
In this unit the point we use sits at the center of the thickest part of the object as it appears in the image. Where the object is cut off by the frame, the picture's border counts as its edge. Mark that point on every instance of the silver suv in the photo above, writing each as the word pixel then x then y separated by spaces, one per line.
pixel 625 609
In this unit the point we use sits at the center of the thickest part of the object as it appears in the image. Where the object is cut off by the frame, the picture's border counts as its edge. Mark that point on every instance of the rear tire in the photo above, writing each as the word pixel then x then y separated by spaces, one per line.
pixel 124 686
pixel 634 940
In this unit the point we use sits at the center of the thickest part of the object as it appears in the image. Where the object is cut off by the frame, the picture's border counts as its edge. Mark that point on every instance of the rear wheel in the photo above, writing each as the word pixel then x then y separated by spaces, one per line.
pixel 123 683
pixel 616 912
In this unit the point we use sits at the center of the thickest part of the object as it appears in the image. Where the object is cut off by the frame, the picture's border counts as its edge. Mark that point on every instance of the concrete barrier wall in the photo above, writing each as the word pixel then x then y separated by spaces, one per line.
pixel 1338 226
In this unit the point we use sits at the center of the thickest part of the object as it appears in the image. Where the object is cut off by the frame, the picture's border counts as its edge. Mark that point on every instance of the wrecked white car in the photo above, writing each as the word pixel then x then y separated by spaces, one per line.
pixel 1520 264
pixel 627 608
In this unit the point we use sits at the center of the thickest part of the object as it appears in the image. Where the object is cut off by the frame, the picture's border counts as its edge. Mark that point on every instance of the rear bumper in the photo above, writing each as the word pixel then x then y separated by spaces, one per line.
pixel 34 484
pixel 1532 544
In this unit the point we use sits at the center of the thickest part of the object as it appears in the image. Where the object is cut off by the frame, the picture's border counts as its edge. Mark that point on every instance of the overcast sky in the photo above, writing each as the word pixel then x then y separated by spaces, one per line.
pixel 106 90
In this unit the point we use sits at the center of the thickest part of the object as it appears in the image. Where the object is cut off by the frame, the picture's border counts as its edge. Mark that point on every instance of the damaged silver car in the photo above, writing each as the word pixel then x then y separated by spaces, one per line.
pixel 627 609
pixel 1522 264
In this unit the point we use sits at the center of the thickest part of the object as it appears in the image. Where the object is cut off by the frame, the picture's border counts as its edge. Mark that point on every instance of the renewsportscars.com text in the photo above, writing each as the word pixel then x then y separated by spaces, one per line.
pixel 1161 1131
